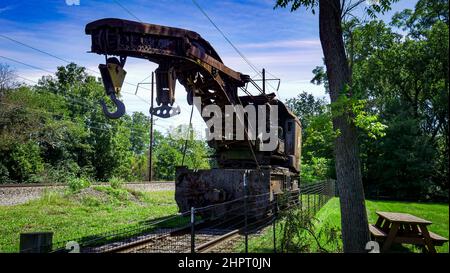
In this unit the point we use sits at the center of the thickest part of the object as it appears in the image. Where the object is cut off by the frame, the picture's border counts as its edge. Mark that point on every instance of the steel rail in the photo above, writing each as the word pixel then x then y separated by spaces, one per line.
pixel 216 242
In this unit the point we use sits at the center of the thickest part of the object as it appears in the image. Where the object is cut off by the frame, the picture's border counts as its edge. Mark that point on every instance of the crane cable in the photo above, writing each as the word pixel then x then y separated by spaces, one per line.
pixel 187 136
pixel 253 67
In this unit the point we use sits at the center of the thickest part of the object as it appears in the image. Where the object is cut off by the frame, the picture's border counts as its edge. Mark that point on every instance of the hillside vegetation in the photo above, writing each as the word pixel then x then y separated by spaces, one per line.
pixel 86 212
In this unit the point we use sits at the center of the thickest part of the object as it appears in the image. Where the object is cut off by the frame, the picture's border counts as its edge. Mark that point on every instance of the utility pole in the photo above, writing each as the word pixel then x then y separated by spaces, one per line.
pixel 264 80
pixel 150 165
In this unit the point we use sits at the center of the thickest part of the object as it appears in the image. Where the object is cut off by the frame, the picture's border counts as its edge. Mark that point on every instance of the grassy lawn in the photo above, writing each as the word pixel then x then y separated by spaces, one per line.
pixel 329 218
pixel 436 213
pixel 71 216
pixel 101 208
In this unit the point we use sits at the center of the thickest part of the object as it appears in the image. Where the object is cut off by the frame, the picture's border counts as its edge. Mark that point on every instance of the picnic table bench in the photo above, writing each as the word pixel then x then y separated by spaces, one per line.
pixel 394 227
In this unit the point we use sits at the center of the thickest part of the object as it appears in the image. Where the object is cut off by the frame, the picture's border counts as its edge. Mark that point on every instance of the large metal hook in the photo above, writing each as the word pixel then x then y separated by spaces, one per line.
pixel 113 75
pixel 119 105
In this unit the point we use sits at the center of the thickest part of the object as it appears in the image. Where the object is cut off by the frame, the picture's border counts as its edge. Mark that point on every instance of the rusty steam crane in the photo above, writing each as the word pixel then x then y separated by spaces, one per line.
pixel 185 56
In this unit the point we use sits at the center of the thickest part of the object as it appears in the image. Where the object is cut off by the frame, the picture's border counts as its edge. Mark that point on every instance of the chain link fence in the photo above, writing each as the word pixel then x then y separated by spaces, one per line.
pixel 226 227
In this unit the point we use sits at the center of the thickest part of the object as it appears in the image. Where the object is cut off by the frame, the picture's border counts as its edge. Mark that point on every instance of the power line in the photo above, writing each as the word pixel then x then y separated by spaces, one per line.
pixel 43 52
pixel 53 114
pixel 225 37
pixel 127 10
pixel 77 101
pixel 62 59
pixel 25 64
pixel 81 102
pixel 85 103
pixel 255 69
pixel 34 48
pixel 48 71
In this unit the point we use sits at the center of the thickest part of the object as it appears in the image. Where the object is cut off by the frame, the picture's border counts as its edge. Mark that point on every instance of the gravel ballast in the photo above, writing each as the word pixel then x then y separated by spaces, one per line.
pixel 14 195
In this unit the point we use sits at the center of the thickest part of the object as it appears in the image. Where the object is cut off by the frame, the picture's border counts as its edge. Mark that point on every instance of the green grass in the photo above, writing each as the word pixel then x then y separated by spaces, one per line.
pixel 71 216
pixel 329 218
pixel 436 213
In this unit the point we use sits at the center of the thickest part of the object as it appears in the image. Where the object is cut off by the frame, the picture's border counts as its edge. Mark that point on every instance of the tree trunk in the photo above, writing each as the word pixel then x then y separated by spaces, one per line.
pixel 355 233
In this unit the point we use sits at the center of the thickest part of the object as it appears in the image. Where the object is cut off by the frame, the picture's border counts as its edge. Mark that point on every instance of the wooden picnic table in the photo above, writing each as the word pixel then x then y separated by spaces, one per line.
pixel 394 227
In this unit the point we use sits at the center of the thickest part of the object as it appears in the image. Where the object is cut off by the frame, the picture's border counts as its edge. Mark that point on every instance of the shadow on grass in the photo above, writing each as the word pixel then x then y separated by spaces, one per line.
pixel 141 228
pixel 399 248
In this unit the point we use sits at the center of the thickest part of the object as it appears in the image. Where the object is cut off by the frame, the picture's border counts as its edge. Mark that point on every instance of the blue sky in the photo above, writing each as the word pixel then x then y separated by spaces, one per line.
pixel 286 44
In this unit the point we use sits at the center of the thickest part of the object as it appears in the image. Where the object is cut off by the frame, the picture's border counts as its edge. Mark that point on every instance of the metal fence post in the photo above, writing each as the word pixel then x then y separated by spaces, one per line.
pixel 246 223
pixel 309 206
pixel 315 203
pixel 322 194
pixel 192 230
pixel 246 209
pixel 327 191
pixel 330 189
pixel 273 227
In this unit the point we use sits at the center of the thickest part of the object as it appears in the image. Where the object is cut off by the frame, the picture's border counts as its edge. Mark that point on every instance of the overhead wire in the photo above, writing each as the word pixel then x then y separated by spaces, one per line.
pixel 188 136
pixel 53 114
pixel 246 60
pixel 82 103
pixel 61 59
pixel 48 71
pixel 127 10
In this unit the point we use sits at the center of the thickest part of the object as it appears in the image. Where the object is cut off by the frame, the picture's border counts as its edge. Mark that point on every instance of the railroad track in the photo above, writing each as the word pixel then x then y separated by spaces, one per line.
pixel 206 240
pixel 176 241
pixel 211 230
pixel 209 236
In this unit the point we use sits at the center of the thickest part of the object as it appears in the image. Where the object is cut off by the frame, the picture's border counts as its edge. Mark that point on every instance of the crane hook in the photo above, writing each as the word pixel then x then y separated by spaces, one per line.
pixel 119 104
pixel 113 76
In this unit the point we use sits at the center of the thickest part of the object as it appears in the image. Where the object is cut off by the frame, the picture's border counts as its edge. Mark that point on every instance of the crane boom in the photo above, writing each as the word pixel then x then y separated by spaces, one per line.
pixel 184 56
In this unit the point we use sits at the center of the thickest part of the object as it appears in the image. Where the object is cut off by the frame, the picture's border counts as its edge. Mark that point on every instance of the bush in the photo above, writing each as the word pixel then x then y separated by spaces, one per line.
pixel 117 195
pixel 116 182
pixel 76 184
pixel 27 161
pixel 316 169
pixel 299 233
pixel 4 175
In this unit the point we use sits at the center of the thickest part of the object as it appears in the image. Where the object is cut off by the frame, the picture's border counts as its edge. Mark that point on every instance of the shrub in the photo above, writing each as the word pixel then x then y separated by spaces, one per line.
pixel 117 195
pixel 76 184
pixel 4 175
pixel 27 161
pixel 116 182
pixel 300 232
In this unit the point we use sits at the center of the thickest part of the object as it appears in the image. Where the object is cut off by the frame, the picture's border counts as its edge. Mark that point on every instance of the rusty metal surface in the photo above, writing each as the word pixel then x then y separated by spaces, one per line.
pixel 198 188
pixel 185 56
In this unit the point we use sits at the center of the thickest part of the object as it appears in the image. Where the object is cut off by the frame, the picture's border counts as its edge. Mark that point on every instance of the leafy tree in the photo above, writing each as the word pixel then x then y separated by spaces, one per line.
pixel 61 116
pixel 7 78
pixel 405 78
pixel 140 134
pixel 317 136
pixel 27 160
pixel 168 152
pixel 348 171
pixel 306 106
